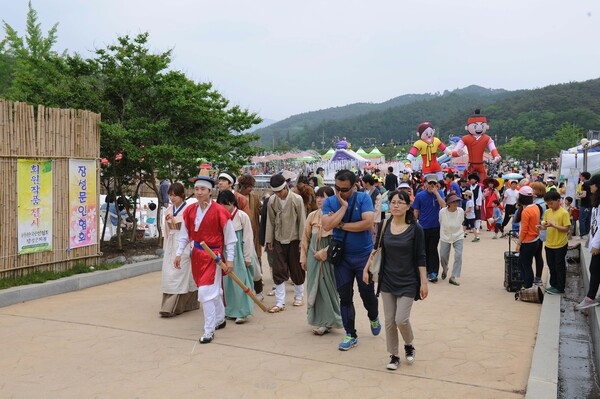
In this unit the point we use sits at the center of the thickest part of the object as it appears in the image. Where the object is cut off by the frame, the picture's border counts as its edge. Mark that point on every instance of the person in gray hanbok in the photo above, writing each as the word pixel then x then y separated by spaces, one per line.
pixel 323 303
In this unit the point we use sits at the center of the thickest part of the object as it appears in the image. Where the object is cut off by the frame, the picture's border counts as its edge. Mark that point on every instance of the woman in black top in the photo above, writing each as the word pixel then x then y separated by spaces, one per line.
pixel 403 275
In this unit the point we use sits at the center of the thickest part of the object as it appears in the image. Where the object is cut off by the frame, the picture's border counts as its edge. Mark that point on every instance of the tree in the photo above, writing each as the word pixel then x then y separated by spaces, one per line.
pixel 35 72
pixel 155 122
pixel 519 148
pixel 160 122
pixel 567 136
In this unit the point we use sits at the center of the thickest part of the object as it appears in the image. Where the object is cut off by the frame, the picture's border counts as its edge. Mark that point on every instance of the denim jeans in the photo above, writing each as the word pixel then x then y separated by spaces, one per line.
pixel 584 220
pixel 345 273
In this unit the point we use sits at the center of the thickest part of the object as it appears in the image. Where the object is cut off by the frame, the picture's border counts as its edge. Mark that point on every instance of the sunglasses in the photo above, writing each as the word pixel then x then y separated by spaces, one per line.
pixel 342 190
pixel 432 182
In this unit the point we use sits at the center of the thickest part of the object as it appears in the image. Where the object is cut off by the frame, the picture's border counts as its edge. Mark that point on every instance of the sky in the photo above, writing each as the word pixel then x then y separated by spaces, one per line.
pixel 280 58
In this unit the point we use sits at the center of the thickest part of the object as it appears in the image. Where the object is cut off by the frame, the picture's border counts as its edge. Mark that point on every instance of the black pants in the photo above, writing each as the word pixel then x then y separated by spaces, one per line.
pixel 509 211
pixel 594 276
pixel 555 257
pixel 432 239
pixel 539 259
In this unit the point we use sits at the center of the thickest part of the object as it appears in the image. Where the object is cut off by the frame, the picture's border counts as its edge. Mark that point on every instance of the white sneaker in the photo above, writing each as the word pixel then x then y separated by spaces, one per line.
pixel 272 292
pixel 586 303
pixel 260 297
pixel 240 320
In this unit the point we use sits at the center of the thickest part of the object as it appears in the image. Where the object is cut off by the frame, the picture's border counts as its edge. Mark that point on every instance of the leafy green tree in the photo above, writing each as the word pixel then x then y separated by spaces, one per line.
pixel 567 136
pixel 35 72
pixel 160 122
pixel 519 148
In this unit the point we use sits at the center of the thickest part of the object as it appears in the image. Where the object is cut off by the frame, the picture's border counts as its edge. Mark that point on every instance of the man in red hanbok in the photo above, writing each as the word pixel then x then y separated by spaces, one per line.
pixel 209 222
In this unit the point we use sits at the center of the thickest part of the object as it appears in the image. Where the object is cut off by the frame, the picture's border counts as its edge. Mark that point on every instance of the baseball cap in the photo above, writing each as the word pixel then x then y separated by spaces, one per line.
pixel 430 178
pixel 526 191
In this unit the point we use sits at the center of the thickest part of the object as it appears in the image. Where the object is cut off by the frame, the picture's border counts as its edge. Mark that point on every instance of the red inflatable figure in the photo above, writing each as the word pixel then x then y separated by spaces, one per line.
pixel 476 142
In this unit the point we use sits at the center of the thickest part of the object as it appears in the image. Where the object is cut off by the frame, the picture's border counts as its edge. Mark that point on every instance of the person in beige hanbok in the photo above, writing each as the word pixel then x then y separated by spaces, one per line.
pixel 178 287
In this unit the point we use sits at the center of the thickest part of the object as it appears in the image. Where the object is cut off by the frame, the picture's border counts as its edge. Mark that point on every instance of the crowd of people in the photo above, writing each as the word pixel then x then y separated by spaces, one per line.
pixel 416 221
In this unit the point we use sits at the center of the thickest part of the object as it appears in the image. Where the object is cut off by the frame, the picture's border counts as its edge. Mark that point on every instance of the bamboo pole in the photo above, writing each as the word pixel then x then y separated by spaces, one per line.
pixel 235 278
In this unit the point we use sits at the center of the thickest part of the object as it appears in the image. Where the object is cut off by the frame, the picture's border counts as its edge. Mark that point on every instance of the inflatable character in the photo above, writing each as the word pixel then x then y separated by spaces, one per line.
pixel 427 146
pixel 476 142
pixel 342 144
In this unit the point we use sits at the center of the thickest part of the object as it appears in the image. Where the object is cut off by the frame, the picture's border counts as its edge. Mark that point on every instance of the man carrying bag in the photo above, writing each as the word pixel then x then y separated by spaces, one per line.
pixel 350 214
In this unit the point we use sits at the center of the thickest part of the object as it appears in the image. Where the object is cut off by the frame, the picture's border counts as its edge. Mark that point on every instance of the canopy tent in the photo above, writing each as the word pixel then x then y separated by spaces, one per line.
pixel 375 154
pixel 347 155
pixel 362 152
pixel 328 154
pixel 572 159
pixel 301 156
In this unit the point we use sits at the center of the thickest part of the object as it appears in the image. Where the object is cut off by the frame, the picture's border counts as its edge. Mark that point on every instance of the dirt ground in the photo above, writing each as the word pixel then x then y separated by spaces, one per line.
pixel 146 246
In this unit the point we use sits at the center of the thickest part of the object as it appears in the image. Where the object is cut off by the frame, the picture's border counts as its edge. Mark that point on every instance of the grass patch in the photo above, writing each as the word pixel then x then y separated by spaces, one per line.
pixel 42 277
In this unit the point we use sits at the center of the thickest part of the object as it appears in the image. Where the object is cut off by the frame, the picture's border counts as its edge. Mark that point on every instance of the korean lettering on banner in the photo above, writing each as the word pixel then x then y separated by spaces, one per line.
pixel 35 206
pixel 82 203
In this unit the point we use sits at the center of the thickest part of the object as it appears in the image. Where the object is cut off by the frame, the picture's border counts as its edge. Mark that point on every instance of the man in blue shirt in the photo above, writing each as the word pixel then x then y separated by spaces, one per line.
pixel 452 185
pixel 427 207
pixel 351 212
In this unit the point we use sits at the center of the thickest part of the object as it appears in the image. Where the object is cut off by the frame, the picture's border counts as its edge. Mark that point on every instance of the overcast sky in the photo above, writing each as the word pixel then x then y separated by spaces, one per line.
pixel 280 58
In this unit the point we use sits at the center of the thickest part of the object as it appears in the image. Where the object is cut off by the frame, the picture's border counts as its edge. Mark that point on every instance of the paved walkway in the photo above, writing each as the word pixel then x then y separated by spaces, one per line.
pixel 472 341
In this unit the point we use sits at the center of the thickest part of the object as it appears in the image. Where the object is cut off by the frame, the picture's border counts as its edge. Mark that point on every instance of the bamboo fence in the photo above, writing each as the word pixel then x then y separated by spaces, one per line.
pixel 58 135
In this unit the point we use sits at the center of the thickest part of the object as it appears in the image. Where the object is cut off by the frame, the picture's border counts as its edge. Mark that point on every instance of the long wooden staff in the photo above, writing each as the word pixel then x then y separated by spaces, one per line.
pixel 235 278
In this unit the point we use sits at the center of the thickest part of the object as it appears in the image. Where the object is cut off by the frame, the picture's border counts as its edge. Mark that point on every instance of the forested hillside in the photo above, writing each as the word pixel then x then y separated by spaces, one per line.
pixel 298 124
pixel 533 114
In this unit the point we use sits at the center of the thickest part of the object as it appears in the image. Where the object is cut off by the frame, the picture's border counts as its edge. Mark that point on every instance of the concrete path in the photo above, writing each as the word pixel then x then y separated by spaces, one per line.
pixel 473 341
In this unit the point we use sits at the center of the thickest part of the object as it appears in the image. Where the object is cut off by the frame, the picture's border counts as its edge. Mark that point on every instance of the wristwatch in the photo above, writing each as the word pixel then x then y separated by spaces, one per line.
pixel 342 225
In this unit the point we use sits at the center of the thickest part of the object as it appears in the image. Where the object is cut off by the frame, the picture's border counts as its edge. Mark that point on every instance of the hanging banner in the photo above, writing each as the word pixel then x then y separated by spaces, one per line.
pixel 35 207
pixel 82 203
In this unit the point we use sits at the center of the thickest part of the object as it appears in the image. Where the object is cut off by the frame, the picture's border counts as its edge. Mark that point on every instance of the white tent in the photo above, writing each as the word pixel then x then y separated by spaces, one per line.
pixel 573 159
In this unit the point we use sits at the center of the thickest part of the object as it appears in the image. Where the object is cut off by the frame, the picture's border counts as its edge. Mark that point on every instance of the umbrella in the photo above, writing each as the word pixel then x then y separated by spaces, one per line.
pixel 512 176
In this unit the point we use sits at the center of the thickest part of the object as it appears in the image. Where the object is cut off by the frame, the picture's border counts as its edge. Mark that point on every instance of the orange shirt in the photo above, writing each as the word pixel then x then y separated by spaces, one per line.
pixel 529 219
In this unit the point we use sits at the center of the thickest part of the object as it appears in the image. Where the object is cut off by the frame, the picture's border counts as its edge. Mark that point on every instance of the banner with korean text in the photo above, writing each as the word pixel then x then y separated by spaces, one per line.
pixel 83 208
pixel 35 207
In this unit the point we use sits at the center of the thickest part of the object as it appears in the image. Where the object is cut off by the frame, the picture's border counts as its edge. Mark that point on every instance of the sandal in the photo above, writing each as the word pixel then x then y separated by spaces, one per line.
pixel 277 309
pixel 321 330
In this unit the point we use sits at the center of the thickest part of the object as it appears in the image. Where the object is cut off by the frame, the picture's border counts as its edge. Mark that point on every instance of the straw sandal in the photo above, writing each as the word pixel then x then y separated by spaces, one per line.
pixel 277 309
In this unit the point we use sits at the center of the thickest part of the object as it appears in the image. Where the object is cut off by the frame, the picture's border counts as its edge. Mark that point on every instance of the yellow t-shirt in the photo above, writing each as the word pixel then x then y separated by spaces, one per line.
pixel 556 239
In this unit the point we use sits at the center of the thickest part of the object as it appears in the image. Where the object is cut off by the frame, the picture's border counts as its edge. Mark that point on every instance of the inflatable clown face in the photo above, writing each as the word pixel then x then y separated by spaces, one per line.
pixel 426 132
pixel 477 128
pixel 477 124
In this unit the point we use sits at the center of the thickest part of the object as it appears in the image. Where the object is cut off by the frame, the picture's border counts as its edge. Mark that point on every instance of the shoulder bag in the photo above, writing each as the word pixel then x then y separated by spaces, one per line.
pixel 335 252
pixel 374 262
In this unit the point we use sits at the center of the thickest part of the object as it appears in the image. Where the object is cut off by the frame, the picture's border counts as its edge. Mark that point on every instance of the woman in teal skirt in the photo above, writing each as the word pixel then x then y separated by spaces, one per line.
pixel 323 304
pixel 238 305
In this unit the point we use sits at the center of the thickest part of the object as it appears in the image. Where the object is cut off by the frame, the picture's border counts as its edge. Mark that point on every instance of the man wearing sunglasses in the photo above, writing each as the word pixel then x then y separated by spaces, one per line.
pixel 427 206
pixel 352 211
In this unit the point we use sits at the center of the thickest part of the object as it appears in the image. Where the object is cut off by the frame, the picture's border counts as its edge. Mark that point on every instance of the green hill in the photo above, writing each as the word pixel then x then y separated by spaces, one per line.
pixel 535 114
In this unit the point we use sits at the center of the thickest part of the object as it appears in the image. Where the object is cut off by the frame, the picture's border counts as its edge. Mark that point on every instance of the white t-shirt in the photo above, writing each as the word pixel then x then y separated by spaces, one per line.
pixel 511 196
pixel 471 214
pixel 451 229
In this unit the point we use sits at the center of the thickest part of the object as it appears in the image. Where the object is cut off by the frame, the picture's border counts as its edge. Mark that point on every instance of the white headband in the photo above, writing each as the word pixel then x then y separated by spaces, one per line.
pixel 226 177
pixel 203 183
pixel 279 188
